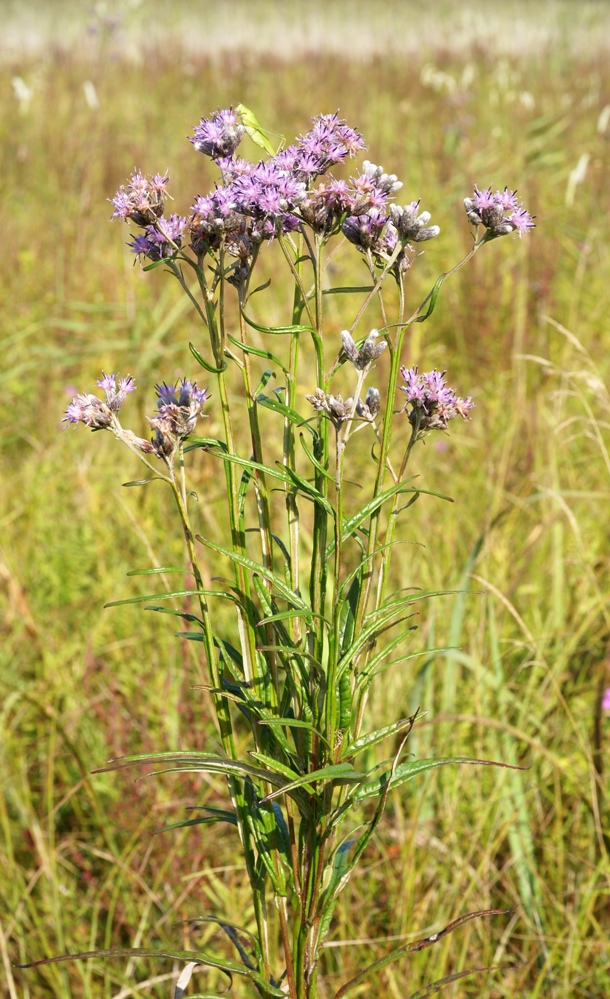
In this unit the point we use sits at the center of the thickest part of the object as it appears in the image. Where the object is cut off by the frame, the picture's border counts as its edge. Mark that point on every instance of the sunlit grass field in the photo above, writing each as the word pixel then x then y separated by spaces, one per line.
pixel 525 330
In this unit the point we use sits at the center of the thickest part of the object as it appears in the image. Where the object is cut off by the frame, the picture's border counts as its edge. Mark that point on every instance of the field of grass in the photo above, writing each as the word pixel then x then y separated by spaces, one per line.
pixel 524 329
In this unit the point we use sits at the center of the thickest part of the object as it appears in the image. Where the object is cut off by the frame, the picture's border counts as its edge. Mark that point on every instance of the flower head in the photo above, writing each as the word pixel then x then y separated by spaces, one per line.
pixel 95 412
pixel 141 200
pixel 369 350
pixel 606 700
pixel 178 407
pixel 218 136
pixel 160 241
pixel 501 212
pixel 334 406
pixel 432 403
pixel 409 225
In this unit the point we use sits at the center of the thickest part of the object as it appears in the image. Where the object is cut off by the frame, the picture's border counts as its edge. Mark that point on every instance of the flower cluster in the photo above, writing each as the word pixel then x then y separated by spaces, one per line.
pixel 340 411
pixel 142 200
pixel 178 408
pixel 501 213
pixel 95 412
pixel 256 202
pixel 369 351
pixel 432 403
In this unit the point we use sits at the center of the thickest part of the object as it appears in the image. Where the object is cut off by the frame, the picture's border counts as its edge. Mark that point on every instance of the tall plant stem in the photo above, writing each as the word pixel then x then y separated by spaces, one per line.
pixel 319 572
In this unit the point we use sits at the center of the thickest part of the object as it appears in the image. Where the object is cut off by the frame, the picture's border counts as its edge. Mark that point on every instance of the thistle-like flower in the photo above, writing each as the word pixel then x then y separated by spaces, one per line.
pixel 160 241
pixel 219 136
pixel 178 408
pixel 142 200
pixel 432 403
pixel 501 213
pixel 95 412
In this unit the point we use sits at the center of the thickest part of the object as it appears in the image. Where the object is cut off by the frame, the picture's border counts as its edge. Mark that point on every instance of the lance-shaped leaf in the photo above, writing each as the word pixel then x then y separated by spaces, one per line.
pixel 349 526
pixel 257 351
pixel 278 330
pixel 407 771
pixel 292 415
pixel 198 957
pixel 144 482
pixel 337 771
pixel 432 297
pixel 435 987
pixel 215 815
pixel 256 567
pixel 206 364
pixel 169 596
pixel 415 947
pixel 372 738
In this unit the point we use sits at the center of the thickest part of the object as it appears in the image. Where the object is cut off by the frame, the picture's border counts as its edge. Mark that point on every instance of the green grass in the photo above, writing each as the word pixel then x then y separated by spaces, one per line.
pixel 524 330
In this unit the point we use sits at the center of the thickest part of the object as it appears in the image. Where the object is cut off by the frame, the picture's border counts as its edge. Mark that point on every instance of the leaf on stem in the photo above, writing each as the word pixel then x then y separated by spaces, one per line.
pixel 407 771
pixel 415 947
pixel 198 957
pixel 206 364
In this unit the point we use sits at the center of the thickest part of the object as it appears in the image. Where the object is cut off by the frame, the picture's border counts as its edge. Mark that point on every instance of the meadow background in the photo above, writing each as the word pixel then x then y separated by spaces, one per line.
pixel 515 94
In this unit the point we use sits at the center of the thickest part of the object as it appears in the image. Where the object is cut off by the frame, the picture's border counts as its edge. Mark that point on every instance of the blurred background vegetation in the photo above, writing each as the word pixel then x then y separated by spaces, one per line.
pixel 517 94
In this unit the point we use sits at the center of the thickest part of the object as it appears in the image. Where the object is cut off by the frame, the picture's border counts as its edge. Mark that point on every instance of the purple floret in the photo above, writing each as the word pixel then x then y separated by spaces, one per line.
pixel 433 404
pixel 218 136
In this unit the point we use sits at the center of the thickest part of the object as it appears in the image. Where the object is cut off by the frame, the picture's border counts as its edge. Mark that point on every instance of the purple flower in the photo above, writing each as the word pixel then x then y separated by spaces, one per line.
pixel 606 700
pixel 160 241
pixel 365 230
pixel 178 408
pixel 433 404
pixel 329 141
pixel 218 136
pixel 141 200
pixel 490 210
pixel 96 413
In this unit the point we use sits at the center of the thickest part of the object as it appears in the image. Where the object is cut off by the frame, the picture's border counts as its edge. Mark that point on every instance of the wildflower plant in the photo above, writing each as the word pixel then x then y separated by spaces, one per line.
pixel 316 620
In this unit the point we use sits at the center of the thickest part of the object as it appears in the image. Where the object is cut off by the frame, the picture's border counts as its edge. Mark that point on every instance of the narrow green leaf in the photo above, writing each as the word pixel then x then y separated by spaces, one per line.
pixel 257 351
pixel 159 263
pixel 415 947
pixel 170 596
pixel 407 771
pixel 278 330
pixel 291 723
pixel 372 738
pixel 336 770
pixel 275 471
pixel 289 414
pixel 305 613
pixel 314 461
pixel 201 957
pixel 277 767
pixel 143 482
pixel 206 364
pixel 433 298
pixel 435 987
pixel 255 567
pixel 349 526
